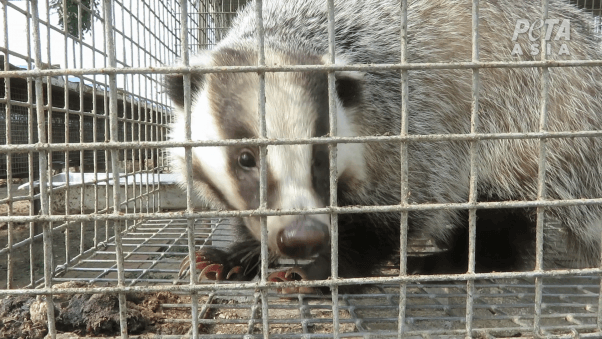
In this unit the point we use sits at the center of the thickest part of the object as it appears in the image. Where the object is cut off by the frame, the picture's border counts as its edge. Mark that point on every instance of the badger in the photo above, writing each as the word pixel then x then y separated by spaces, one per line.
pixel 368 103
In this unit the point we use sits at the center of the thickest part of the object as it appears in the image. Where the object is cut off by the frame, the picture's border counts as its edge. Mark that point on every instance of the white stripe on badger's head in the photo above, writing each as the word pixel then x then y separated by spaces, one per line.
pixel 209 163
pixel 225 107
pixel 292 112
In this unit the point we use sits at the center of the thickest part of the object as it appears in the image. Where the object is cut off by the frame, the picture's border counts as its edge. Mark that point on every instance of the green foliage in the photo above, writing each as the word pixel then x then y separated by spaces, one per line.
pixel 87 16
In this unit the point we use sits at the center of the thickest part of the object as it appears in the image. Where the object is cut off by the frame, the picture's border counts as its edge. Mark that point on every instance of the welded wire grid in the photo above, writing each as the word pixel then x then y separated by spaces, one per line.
pixel 209 22
pixel 76 111
pixel 106 114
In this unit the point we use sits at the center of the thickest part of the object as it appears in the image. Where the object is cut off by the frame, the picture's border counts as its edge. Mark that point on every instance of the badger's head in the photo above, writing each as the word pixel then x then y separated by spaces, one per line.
pixel 225 106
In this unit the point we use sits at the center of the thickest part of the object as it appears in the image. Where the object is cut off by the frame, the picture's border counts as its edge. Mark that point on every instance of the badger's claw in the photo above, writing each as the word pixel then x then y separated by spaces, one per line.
pixel 208 270
pixel 216 272
pixel 292 274
pixel 201 263
pixel 211 272
pixel 234 274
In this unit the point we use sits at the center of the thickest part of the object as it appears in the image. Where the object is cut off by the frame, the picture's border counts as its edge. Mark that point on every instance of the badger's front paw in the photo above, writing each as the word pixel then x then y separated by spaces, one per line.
pixel 210 266
pixel 292 274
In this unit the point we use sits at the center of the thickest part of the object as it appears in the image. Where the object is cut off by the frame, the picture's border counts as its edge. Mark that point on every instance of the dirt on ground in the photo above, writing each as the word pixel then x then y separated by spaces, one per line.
pixel 234 319
pixel 25 317
pixel 84 315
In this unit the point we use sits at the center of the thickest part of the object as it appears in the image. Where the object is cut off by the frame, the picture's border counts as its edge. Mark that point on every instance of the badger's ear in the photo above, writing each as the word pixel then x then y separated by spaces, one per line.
pixel 174 86
pixel 349 87
pixel 348 83
pixel 174 83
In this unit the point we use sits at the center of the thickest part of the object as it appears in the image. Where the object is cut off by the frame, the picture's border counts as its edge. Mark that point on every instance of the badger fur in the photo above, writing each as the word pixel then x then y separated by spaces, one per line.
pixel 225 106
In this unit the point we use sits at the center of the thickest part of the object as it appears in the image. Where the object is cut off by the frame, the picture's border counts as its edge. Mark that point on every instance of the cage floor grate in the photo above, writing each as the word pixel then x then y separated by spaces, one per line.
pixel 502 307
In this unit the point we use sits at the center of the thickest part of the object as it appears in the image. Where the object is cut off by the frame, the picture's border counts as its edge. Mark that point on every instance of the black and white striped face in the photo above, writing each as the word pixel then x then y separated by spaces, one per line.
pixel 225 106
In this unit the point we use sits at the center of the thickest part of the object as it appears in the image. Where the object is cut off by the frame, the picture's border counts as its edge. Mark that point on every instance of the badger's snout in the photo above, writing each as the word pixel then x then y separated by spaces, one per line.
pixel 303 238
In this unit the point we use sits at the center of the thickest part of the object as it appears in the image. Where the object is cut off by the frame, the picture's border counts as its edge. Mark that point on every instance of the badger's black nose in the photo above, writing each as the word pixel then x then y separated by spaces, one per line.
pixel 303 238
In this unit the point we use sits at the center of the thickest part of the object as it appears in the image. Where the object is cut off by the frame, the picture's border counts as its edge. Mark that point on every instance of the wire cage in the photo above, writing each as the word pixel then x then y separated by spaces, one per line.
pixel 93 224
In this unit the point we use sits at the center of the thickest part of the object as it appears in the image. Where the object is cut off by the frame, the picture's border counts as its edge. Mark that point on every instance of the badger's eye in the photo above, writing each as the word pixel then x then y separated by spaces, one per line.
pixel 246 159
